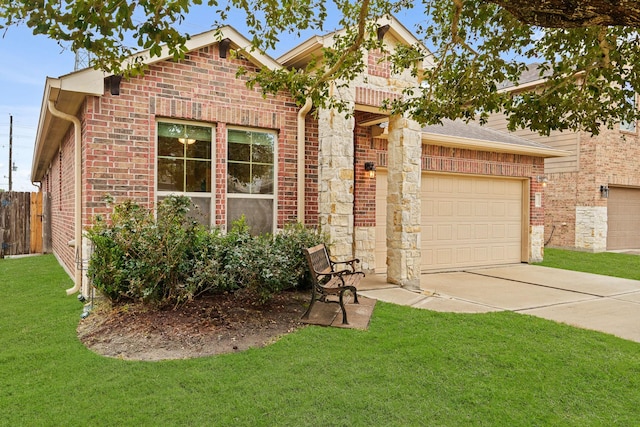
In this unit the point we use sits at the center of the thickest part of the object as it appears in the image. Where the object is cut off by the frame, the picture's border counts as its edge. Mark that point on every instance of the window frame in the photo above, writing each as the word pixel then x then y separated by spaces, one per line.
pixel 274 195
pixel 211 195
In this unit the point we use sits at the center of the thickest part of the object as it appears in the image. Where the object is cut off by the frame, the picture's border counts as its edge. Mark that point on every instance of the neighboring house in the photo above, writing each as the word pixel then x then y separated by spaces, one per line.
pixel 592 196
pixel 447 197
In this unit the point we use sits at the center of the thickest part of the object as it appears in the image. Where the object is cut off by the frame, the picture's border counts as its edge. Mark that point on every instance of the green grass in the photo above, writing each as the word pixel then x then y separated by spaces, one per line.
pixel 412 367
pixel 607 263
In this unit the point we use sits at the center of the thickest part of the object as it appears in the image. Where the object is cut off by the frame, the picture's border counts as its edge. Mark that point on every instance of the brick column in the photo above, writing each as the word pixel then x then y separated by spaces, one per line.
pixel 336 180
pixel 403 203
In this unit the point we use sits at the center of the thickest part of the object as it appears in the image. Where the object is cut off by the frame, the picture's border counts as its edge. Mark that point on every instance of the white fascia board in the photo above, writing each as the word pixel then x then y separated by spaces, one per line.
pixel 51 89
pixel 302 50
pixel 475 144
pixel 524 86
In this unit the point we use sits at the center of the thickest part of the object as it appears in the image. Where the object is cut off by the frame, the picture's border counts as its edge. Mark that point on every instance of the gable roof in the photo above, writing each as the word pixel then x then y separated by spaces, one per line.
pixel 300 55
pixel 475 137
pixel 69 91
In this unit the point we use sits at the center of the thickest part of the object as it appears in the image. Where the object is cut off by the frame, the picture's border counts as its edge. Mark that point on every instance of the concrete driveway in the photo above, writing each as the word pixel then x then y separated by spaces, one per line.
pixel 590 301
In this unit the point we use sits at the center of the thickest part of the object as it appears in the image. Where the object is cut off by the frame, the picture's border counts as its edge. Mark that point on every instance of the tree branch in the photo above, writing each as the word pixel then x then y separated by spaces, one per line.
pixel 362 20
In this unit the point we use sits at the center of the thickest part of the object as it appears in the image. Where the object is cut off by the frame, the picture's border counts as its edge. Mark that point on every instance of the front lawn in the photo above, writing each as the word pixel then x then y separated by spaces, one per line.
pixel 412 367
pixel 606 263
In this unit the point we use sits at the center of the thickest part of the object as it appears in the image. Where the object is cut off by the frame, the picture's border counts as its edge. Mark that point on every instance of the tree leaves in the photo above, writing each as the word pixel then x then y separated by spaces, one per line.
pixel 472 50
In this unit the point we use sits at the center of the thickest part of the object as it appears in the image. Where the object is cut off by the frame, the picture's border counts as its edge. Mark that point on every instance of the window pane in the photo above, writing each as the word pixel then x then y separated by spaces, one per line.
pixel 262 153
pixel 200 211
pixel 239 136
pixel 170 130
pixel 198 176
pixel 169 147
pixel 238 177
pixel 199 150
pixel 170 175
pixel 239 152
pixel 263 138
pixel 262 179
pixel 198 132
pixel 258 213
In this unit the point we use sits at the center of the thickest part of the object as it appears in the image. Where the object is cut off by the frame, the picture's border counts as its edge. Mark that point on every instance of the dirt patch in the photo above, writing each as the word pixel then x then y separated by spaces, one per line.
pixel 203 327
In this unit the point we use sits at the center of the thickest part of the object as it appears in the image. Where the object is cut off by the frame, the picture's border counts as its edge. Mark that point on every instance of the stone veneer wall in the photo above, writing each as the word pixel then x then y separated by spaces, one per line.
pixel 591 228
pixel 536 235
pixel 336 180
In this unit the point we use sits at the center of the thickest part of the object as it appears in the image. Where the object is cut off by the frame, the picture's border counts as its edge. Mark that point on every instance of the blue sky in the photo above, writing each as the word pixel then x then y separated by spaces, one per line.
pixel 26 62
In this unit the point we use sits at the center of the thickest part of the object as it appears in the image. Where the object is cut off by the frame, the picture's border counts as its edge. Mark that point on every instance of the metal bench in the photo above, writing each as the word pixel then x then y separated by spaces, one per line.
pixel 329 281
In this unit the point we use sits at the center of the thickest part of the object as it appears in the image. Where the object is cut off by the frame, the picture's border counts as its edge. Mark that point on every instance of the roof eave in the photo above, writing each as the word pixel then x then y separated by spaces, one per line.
pixel 499 147
pixel 51 127
pixel 302 51
pixel 300 55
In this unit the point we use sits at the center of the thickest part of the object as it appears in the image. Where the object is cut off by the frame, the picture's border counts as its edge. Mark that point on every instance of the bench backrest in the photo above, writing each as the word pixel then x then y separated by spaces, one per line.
pixel 318 259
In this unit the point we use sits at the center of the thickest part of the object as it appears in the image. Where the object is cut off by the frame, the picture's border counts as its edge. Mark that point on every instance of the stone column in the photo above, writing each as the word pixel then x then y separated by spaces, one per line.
pixel 536 236
pixel 403 202
pixel 336 180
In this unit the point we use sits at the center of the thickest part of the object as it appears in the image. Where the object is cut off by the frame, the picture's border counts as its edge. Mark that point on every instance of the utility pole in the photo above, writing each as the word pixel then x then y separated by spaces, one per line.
pixel 10 152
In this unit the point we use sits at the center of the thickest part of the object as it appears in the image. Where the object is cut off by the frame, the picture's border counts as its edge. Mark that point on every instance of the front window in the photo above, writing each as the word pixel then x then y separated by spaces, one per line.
pixel 630 98
pixel 251 178
pixel 185 165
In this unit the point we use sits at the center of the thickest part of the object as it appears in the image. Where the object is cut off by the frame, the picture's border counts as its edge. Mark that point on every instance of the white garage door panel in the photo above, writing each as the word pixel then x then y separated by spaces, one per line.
pixel 467 221
pixel 476 221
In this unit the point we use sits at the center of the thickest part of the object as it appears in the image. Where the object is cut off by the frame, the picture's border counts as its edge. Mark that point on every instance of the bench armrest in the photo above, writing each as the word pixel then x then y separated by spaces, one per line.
pixel 350 262
pixel 334 273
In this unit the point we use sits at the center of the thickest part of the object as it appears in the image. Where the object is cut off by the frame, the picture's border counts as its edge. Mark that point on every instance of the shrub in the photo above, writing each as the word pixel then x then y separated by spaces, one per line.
pixel 172 259
pixel 143 258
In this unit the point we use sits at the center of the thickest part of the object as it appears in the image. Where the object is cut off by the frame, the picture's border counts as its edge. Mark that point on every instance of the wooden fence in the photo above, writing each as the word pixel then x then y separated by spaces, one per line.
pixel 21 223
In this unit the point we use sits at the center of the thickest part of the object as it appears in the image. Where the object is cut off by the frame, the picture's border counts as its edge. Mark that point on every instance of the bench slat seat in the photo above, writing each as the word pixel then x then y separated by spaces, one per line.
pixel 329 281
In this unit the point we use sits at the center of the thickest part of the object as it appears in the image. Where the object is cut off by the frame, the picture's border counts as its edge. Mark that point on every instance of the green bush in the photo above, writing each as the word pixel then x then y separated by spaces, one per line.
pixel 171 259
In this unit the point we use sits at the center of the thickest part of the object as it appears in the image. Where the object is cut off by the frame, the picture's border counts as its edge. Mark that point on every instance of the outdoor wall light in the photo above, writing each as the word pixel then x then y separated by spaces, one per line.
pixel 543 180
pixel 370 169
pixel 604 191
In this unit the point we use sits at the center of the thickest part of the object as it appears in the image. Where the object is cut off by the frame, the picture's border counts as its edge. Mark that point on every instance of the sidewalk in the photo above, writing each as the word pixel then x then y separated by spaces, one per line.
pixel 591 301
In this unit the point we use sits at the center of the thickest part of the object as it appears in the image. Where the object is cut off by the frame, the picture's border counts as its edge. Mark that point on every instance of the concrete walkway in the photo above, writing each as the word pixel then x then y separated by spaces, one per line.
pixel 590 301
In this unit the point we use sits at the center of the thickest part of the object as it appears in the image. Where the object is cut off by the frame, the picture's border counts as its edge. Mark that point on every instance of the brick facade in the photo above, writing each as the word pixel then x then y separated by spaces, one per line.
pixel 575 211
pixel 59 184
pixel 119 140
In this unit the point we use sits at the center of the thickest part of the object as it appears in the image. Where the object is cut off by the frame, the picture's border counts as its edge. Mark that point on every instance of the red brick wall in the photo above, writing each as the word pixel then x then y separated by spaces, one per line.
pixel 607 159
pixel 311 170
pixel 365 187
pixel 378 65
pixel 120 136
pixel 616 157
pixel 59 184
pixel 560 209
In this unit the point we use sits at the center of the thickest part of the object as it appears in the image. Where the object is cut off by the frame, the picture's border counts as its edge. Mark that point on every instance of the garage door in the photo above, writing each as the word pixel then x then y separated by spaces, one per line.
pixel 623 218
pixel 467 221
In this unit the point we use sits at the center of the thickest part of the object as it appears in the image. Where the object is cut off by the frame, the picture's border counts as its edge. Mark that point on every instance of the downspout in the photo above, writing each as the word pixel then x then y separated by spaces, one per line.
pixel 77 168
pixel 302 114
